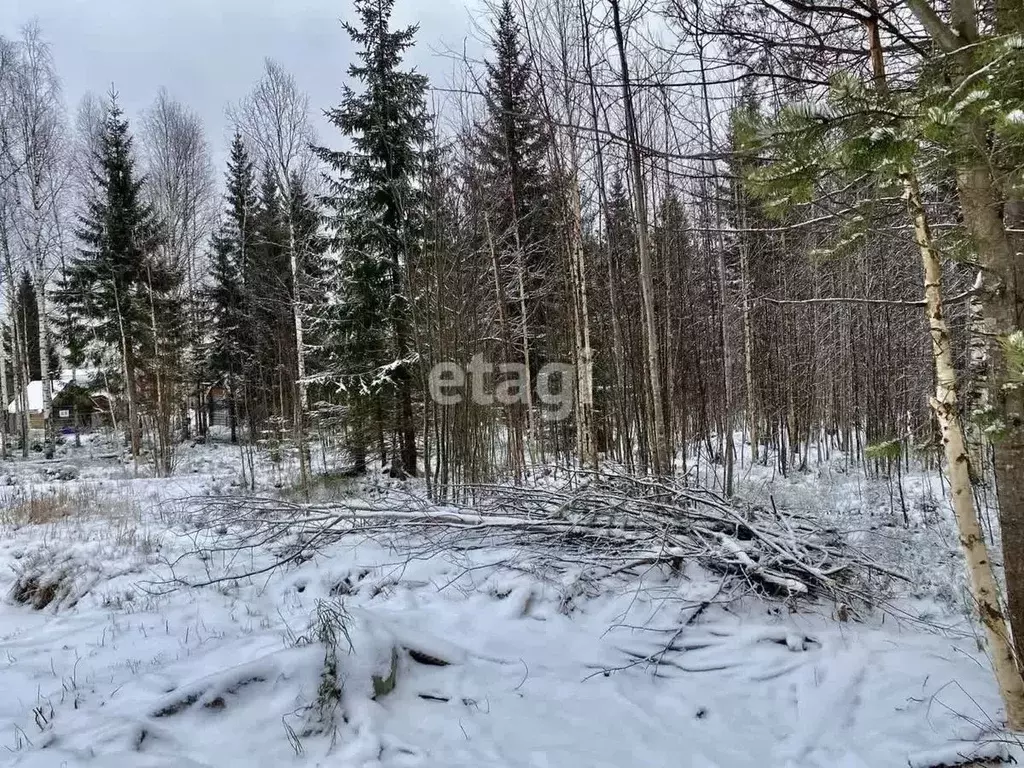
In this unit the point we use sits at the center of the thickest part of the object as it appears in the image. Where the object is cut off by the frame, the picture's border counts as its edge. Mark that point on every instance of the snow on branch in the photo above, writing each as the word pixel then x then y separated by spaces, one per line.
pixel 620 521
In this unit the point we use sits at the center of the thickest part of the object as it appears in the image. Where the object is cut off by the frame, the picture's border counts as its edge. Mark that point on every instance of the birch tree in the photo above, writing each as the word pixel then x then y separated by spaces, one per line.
pixel 9 167
pixel 985 179
pixel 180 188
pixel 41 146
pixel 862 131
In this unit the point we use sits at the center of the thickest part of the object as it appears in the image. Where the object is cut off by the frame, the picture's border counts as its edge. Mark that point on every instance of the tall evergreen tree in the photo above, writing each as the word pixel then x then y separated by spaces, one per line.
pixel 512 145
pixel 232 342
pixel 111 283
pixel 27 314
pixel 268 295
pixel 227 318
pixel 374 200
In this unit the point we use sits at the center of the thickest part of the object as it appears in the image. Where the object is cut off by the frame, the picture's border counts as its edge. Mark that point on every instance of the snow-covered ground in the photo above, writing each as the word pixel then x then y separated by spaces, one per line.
pixel 384 652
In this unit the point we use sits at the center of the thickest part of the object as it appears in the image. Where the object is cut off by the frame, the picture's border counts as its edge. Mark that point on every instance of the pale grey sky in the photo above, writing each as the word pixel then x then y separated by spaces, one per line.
pixel 208 53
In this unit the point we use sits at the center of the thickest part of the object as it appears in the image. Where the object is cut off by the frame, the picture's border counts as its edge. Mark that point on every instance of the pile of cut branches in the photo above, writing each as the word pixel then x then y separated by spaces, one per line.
pixel 612 520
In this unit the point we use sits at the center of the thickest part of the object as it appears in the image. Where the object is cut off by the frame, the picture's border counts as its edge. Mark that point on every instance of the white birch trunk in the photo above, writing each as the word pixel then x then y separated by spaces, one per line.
pixel 581 317
pixel 945 405
pixel 5 395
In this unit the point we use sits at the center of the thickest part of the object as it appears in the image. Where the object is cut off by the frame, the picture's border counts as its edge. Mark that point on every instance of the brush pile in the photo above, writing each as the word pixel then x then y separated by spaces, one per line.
pixel 613 521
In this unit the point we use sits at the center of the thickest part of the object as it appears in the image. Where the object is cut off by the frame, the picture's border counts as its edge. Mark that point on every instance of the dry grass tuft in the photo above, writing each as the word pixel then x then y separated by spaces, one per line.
pixel 54 504
pixel 33 508
pixel 38 590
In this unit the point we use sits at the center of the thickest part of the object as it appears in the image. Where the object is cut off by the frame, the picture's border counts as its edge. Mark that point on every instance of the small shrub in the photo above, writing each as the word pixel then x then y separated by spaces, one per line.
pixel 889 450
pixel 329 628
pixel 326 486
pixel 64 472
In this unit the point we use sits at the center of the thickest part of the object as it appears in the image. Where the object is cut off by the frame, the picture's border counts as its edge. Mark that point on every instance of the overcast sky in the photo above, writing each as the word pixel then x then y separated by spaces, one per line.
pixel 210 52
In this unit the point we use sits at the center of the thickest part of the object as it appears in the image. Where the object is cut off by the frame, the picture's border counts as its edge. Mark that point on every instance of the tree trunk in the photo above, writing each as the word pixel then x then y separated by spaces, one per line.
pixel 1001 301
pixel 748 355
pixel 232 409
pixel 161 460
pixel 516 453
pixel 659 446
pixel 5 394
pixel 128 360
pixel 623 424
pixel 49 440
pixel 581 325
pixel 301 399
pixel 533 439
pixel 982 204
pixel 977 402
pixel 406 419
pixel 19 367
pixel 945 406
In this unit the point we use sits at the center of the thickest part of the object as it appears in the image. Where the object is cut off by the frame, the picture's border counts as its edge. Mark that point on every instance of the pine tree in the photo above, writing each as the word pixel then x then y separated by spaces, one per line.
pixel 374 201
pixel 231 340
pixel 106 288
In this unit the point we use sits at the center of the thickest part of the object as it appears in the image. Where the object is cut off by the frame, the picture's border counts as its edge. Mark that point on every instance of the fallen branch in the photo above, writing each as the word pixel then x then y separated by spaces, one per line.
pixel 615 519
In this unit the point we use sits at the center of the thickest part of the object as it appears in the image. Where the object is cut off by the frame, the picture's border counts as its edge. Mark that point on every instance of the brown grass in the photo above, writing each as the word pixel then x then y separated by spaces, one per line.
pixel 32 590
pixel 36 509
pixel 42 506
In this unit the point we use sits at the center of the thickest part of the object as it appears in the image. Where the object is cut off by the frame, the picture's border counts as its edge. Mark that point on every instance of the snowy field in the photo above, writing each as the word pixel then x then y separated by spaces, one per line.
pixel 391 651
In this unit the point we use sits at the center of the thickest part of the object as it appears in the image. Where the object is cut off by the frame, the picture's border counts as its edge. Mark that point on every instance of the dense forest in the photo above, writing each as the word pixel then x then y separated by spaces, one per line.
pixel 680 238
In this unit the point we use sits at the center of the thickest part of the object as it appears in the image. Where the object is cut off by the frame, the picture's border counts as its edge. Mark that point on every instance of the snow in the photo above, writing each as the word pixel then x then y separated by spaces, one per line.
pixel 1015 116
pixel 34 390
pixel 547 662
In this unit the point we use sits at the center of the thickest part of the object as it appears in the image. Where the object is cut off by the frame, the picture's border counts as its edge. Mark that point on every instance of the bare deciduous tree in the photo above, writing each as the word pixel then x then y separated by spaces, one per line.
pixel 180 186
pixel 40 144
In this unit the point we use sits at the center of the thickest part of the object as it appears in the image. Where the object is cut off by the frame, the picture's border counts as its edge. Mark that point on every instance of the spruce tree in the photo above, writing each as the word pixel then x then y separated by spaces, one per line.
pixel 310 246
pixel 107 288
pixel 231 338
pixel 227 321
pixel 374 202
pixel 309 243
pixel 27 313
pixel 619 221
pixel 270 296
pixel 512 146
